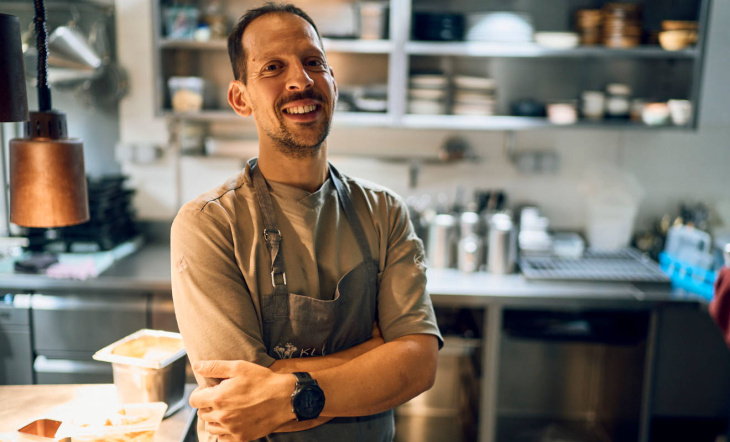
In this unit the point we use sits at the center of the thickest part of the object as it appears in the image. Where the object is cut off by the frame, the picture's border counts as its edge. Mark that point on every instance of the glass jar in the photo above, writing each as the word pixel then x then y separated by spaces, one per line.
pixel 618 101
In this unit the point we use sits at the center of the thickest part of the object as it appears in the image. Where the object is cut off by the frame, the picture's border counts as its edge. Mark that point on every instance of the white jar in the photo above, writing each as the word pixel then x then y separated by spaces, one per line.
pixel 592 104
pixel 618 100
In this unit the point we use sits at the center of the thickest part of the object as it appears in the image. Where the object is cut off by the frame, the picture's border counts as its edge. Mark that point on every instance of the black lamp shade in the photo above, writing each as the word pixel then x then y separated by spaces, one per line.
pixel 13 100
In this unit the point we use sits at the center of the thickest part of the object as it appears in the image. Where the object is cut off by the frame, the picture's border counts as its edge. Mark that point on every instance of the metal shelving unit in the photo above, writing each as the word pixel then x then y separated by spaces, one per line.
pixel 401 52
pixel 533 50
pixel 330 45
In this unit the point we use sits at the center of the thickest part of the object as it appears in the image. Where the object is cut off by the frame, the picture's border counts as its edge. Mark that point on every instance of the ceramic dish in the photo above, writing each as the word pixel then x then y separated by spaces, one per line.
pixel 557 40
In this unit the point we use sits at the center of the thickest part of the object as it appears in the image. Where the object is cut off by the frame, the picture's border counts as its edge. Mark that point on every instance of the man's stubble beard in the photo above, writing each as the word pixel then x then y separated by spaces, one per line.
pixel 285 141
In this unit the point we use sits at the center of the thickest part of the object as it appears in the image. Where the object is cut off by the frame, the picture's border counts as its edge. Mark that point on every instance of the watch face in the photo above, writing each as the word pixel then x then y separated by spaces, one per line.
pixel 309 402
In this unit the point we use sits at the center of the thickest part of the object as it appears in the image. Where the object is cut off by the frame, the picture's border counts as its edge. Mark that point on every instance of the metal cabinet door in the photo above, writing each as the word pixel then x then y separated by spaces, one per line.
pixel 16 355
pixel 78 325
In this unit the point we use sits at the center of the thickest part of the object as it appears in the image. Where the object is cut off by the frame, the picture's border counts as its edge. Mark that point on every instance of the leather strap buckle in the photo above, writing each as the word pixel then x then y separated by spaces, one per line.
pixel 273 232
pixel 273 277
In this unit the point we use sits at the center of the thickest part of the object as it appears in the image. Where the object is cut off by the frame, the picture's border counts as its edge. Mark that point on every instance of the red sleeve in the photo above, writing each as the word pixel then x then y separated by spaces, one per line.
pixel 720 305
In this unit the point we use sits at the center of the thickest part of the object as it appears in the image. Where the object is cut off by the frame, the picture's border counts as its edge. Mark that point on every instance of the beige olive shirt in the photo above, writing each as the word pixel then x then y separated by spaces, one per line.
pixel 221 265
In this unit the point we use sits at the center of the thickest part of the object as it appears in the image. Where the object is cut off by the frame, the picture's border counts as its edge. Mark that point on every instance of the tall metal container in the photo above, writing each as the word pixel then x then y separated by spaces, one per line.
pixel 445 412
pixel 148 366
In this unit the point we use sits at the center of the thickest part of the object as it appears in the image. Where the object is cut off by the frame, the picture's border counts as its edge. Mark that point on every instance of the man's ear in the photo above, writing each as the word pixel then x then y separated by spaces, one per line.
pixel 237 98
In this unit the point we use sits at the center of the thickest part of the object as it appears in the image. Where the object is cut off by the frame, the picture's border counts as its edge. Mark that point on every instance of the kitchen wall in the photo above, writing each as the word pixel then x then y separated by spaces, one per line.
pixel 96 125
pixel 671 166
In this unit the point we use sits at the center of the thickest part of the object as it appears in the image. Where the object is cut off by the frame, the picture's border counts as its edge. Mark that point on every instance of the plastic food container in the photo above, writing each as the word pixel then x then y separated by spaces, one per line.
pixel 186 93
pixel 148 366
pixel 128 423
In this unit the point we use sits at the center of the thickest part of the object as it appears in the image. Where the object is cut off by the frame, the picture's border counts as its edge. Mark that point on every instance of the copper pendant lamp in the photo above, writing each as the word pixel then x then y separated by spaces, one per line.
pixel 47 175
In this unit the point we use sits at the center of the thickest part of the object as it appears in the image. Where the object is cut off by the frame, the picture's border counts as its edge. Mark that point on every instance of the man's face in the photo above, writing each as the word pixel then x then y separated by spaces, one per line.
pixel 289 86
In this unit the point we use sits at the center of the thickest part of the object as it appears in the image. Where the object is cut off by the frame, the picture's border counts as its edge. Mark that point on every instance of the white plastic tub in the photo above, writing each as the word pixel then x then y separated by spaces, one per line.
pixel 610 225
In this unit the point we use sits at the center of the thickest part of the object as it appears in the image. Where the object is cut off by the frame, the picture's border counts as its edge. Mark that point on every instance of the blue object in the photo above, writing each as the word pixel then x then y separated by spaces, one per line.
pixel 688 277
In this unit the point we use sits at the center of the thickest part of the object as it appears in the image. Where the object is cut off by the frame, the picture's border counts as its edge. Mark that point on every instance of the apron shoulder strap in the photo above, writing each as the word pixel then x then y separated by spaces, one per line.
pixel 352 218
pixel 272 234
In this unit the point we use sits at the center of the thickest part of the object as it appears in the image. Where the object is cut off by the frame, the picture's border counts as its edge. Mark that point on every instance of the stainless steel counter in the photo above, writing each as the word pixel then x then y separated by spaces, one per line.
pixel 148 270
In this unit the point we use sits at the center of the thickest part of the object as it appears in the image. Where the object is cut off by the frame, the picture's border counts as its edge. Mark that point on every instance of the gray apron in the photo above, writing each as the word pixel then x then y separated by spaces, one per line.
pixel 296 325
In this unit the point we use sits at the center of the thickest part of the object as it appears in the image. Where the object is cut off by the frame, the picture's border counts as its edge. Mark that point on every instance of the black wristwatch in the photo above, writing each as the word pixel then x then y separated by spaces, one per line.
pixel 307 401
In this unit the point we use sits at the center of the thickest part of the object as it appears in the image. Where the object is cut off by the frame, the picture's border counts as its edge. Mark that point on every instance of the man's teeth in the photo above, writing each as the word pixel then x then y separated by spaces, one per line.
pixel 301 109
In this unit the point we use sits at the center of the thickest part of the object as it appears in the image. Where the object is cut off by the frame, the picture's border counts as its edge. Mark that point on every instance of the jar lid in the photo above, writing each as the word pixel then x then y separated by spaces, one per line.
pixel 618 89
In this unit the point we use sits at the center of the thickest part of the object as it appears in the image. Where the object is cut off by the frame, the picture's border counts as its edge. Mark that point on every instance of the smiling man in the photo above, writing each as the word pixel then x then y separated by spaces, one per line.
pixel 300 292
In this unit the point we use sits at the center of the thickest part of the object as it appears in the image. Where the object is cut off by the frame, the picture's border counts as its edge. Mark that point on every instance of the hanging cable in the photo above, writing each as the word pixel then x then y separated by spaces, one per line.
pixel 41 32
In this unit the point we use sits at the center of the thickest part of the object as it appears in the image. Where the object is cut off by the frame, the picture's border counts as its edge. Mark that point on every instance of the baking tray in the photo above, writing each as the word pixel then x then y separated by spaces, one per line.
pixel 624 265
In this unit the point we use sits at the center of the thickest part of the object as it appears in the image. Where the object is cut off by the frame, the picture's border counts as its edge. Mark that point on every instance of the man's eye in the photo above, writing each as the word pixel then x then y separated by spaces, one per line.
pixel 315 63
pixel 271 67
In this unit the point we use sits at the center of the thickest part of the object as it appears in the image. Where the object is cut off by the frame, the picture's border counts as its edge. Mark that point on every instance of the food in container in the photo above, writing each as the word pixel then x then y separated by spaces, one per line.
pixel 128 423
pixel 148 366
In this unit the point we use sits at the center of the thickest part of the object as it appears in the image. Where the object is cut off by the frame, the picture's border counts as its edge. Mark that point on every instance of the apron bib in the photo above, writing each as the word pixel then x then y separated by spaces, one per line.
pixel 300 326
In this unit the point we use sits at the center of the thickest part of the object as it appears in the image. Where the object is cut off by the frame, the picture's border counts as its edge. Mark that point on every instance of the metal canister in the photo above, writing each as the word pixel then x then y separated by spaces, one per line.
pixel 441 241
pixel 502 248
pixel 469 250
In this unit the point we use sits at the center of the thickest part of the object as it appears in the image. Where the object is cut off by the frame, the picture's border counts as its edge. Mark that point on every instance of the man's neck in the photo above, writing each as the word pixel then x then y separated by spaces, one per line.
pixel 306 173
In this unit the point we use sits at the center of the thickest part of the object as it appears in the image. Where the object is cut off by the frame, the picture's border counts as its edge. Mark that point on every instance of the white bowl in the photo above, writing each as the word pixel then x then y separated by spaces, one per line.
pixel 557 40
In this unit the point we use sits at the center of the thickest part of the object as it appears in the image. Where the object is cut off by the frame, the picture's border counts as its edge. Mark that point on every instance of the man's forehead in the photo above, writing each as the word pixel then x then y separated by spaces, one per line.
pixel 272 31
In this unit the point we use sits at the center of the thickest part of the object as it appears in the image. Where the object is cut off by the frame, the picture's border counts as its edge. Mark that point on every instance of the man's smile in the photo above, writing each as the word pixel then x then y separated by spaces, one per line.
pixel 302 111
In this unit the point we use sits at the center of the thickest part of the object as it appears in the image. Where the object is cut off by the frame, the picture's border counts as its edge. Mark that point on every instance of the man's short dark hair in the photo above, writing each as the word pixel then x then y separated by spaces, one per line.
pixel 235 38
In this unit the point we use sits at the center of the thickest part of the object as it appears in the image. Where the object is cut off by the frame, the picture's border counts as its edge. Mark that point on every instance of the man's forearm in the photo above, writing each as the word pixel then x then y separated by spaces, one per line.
pixel 317 363
pixel 380 379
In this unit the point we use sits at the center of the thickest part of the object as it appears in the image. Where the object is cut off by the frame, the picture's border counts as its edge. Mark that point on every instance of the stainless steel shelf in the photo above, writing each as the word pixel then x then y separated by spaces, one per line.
pixel 341 118
pixel 402 55
pixel 455 122
pixel 533 50
pixel 507 122
pixel 167 43
pixel 357 46
pixel 330 45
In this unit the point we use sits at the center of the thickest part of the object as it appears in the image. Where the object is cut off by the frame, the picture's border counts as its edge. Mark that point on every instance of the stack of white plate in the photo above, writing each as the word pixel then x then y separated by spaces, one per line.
pixel 506 27
pixel 474 96
pixel 427 94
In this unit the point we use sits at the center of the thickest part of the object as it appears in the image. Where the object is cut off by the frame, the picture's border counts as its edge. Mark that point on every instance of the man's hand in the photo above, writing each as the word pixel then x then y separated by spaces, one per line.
pixel 251 401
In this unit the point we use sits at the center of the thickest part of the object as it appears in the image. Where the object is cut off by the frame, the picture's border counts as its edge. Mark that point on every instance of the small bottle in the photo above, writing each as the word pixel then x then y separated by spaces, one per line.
pixel 471 244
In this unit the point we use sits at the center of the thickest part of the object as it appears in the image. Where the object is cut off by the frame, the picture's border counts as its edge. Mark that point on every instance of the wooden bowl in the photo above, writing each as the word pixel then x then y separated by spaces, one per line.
pixel 677 40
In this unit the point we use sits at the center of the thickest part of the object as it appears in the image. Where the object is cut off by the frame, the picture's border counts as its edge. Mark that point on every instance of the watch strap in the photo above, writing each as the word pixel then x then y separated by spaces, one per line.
pixel 304 378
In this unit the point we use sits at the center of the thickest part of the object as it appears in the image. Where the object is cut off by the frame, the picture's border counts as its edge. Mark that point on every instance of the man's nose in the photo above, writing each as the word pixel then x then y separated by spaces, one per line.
pixel 298 78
